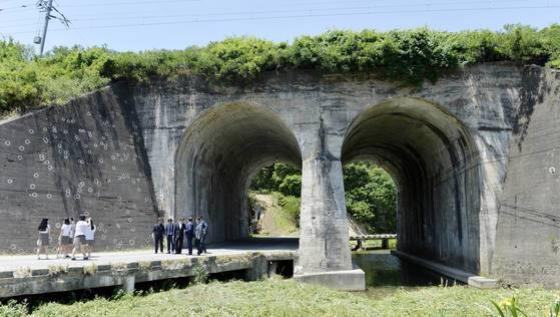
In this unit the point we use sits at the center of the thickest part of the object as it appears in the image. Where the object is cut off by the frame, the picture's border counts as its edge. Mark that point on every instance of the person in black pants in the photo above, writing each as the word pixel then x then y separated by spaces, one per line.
pixel 179 235
pixel 200 232
pixel 189 232
pixel 158 233
pixel 170 234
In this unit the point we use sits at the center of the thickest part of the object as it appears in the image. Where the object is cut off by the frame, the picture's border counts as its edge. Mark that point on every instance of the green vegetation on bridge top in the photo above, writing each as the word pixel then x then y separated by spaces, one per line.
pixel 405 56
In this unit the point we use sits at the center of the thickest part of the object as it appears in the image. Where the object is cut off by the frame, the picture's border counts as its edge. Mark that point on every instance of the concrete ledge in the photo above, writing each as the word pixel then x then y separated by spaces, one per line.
pixel 457 274
pixel 126 274
pixel 349 280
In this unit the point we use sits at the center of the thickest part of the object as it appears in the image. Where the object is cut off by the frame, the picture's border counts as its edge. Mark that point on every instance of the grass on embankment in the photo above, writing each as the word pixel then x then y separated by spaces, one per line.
pixel 288 298
pixel 279 214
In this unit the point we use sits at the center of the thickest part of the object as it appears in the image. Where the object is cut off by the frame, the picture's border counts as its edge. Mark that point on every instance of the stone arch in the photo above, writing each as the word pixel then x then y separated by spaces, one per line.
pixel 435 163
pixel 217 157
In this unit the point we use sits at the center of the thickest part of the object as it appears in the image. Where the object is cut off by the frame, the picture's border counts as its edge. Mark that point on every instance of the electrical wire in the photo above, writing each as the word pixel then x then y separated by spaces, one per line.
pixel 296 16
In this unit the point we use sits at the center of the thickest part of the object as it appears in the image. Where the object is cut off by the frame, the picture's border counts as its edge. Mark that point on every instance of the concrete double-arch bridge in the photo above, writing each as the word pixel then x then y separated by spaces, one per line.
pixel 474 157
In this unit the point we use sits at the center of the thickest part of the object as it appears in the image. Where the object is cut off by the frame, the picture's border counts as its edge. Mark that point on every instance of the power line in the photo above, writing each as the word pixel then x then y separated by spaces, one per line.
pixel 309 10
pixel 114 26
pixel 128 15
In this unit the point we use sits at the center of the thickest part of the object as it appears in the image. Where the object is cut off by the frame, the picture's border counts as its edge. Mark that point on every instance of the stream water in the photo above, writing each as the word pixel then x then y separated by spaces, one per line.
pixel 385 273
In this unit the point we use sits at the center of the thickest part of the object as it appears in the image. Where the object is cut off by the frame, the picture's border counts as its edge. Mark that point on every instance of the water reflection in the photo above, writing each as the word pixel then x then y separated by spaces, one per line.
pixel 383 269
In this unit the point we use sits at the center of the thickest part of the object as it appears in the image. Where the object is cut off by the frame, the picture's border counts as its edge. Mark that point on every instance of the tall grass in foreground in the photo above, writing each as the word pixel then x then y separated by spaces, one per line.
pixel 287 298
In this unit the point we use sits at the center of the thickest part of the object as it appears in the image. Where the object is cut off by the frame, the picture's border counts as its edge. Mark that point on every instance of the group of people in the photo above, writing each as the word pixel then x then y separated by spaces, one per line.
pixel 73 237
pixel 176 232
pixel 79 237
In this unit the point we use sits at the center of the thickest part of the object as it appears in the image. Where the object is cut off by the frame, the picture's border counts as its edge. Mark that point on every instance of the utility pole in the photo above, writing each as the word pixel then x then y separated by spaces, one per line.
pixel 47 18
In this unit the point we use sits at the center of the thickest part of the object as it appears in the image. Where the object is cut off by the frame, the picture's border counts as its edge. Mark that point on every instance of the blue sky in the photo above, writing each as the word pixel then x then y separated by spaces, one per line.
pixel 173 24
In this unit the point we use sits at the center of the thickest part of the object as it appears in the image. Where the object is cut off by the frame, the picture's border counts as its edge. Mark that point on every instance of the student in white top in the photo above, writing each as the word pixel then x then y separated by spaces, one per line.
pixel 44 238
pixel 72 229
pixel 90 237
pixel 65 239
pixel 80 237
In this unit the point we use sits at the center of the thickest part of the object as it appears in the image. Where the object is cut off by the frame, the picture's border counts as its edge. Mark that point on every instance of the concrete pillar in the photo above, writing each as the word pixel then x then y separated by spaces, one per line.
pixel 324 255
pixel 129 282
pixel 324 243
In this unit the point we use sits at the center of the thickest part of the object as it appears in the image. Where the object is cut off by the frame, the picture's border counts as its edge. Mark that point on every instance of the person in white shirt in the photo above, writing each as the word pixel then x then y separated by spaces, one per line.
pixel 44 238
pixel 90 237
pixel 64 239
pixel 80 237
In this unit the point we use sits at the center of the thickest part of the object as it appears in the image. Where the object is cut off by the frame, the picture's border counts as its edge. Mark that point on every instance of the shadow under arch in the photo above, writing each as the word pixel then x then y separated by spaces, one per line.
pixel 434 161
pixel 217 157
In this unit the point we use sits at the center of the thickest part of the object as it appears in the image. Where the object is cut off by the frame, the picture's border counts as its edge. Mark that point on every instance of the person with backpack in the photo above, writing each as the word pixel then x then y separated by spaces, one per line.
pixel 200 233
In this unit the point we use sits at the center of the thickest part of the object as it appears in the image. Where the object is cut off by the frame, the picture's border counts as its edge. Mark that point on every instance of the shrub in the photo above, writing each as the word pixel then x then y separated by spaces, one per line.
pixel 405 56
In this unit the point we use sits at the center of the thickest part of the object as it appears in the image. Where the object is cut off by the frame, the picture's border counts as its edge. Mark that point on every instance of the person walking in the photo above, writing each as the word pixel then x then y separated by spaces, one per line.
pixel 189 233
pixel 200 235
pixel 64 239
pixel 80 238
pixel 157 233
pixel 44 238
pixel 90 237
pixel 169 233
pixel 72 232
pixel 179 236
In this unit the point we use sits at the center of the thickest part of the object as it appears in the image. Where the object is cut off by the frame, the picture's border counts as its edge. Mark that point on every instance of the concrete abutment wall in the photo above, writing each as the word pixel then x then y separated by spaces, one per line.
pixel 459 151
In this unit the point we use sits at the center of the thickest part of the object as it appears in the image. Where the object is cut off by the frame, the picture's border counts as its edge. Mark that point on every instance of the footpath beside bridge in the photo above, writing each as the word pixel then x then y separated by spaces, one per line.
pixel 251 259
pixel 475 157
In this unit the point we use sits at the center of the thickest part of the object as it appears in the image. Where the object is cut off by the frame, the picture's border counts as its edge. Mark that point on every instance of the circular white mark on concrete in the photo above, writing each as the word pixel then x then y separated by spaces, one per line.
pixel 552 170
pixel 57 225
pixel 27 141
pixel 21 148
pixel 32 186
pixel 19 157
pixel 49 196
pixel 7 143
pixel 35 175
pixel 31 131
pixel 10 181
pixel 34 195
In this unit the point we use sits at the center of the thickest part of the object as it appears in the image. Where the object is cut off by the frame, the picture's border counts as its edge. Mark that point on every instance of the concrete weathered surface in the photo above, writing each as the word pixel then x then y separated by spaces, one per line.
pixel 474 158
pixel 25 275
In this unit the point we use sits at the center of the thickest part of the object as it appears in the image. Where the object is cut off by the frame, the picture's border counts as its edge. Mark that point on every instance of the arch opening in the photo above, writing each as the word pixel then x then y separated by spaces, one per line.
pixel 434 162
pixel 219 155
pixel 274 201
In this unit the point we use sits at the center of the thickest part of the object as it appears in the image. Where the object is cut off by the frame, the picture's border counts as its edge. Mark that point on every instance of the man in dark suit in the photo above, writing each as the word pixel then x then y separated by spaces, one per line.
pixel 189 232
pixel 158 232
pixel 170 234
pixel 179 235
